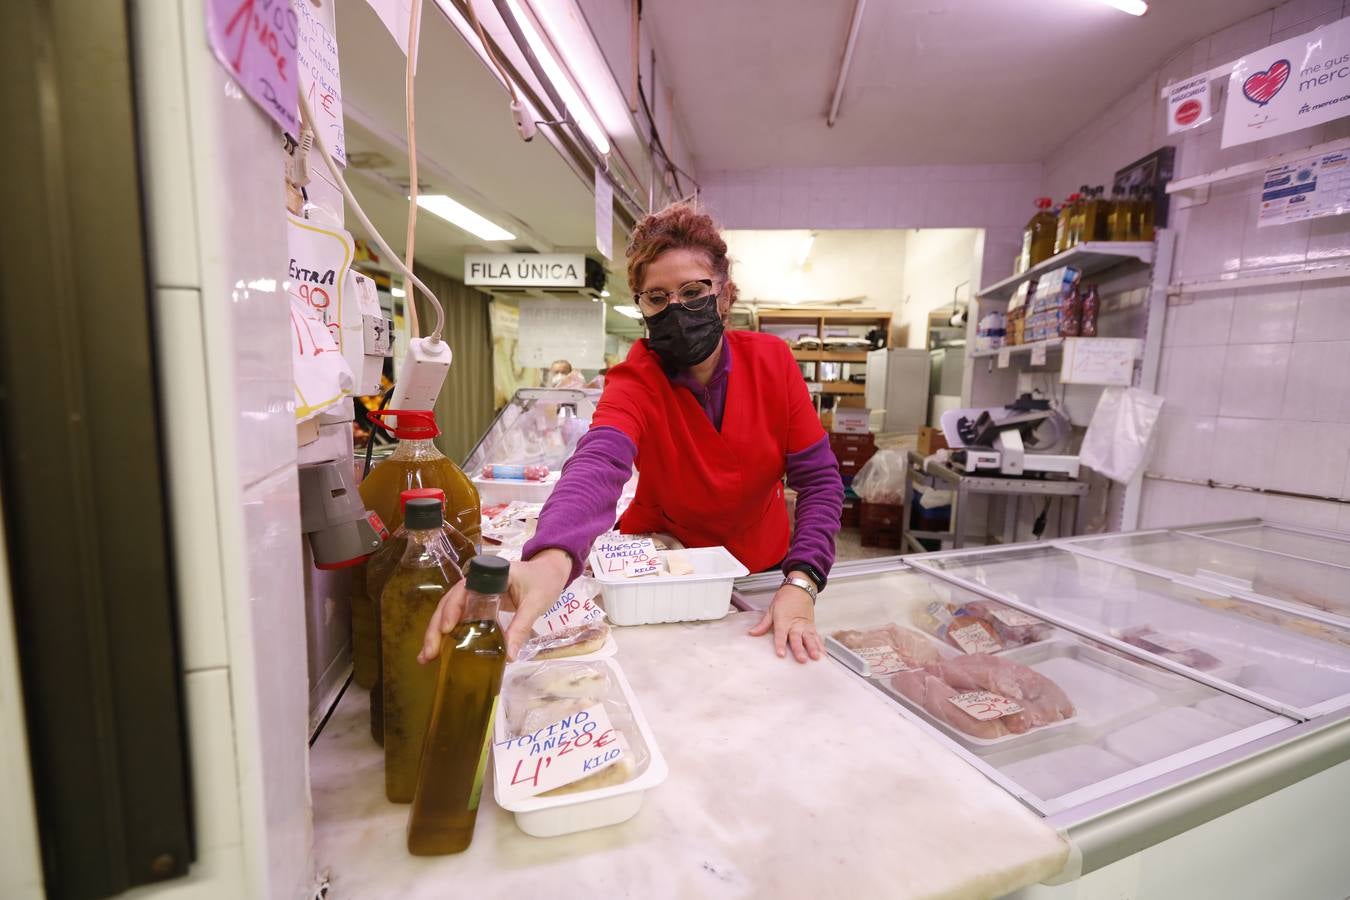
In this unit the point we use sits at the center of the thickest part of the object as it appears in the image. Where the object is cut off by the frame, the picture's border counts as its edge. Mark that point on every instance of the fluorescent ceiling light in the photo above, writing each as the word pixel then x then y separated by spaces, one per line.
pixel 1133 7
pixel 629 311
pixel 568 31
pixel 397 292
pixel 576 106
pixel 806 248
pixel 462 217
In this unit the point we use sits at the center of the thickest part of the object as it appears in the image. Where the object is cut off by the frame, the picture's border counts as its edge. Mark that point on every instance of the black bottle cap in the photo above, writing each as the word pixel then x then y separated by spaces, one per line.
pixel 488 574
pixel 422 513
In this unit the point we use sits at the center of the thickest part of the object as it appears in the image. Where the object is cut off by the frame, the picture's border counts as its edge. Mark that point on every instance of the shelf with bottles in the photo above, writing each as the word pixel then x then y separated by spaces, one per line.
pixel 1089 259
pixel 828 355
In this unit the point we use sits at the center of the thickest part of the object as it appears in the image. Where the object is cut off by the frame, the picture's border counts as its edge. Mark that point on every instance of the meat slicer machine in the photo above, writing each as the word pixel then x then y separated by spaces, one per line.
pixel 1017 440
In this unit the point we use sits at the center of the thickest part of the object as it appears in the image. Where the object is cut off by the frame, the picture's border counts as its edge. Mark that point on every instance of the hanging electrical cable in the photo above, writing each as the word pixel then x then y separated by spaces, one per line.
pixel 307 115
pixel 409 103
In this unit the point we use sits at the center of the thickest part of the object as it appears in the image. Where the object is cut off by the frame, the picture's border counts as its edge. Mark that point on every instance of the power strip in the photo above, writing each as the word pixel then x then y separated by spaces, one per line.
pixel 422 375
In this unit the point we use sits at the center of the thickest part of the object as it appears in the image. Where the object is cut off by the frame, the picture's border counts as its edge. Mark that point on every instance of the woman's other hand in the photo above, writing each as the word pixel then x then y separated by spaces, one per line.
pixel 532 589
pixel 792 617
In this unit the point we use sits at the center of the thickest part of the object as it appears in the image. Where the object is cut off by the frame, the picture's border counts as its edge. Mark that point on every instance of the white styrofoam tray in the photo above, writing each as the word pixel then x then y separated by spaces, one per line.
pixel 504 490
pixel 553 816
pixel 704 595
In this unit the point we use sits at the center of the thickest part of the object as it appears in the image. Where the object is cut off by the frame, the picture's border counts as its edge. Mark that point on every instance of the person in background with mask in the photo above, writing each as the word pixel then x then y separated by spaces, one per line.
pixel 562 375
pixel 713 419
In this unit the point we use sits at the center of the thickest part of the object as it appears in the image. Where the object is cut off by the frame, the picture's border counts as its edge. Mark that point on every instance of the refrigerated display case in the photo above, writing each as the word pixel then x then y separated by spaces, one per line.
pixel 1307 573
pixel 1147 707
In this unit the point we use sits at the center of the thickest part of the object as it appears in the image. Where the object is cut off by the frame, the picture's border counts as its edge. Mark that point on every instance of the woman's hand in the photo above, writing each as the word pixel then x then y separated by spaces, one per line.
pixel 532 589
pixel 792 616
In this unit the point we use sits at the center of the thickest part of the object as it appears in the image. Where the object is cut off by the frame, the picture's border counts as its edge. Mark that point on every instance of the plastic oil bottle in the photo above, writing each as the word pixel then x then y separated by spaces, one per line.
pixel 421 578
pixel 1038 240
pixel 1063 225
pixel 378 569
pixel 1118 219
pixel 415 463
pixel 1095 212
pixel 454 754
pixel 1143 215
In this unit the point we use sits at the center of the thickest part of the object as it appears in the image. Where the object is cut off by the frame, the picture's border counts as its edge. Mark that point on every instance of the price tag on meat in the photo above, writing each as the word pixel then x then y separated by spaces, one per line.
pixel 614 553
pixel 1014 618
pixel 573 607
pixel 882 660
pixel 975 638
pixel 566 751
pixel 984 705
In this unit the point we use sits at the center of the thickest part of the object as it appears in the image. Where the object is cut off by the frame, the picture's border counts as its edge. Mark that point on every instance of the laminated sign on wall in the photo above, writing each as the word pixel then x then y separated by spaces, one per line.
pixel 1188 104
pixel 256 40
pixel 1294 84
pixel 573 330
pixel 1306 189
pixel 316 280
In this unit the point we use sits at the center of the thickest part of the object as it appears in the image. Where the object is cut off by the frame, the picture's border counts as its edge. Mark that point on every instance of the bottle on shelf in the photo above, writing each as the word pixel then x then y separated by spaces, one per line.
pixel 1095 211
pixel 1144 216
pixel 1118 219
pixel 423 575
pixel 1091 304
pixel 1064 222
pixel 378 569
pixel 415 463
pixel 459 733
pixel 1038 240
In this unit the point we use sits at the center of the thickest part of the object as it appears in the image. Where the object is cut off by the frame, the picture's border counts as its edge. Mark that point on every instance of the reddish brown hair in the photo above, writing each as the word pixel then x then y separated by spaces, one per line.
pixel 679 227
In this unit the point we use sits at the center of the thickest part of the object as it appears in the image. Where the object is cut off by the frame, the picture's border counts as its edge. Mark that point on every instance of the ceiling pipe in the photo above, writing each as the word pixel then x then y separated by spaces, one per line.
pixel 853 28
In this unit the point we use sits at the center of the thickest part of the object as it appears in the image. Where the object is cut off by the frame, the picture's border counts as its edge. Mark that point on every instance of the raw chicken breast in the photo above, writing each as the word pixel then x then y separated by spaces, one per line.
pixel 912 647
pixel 1043 702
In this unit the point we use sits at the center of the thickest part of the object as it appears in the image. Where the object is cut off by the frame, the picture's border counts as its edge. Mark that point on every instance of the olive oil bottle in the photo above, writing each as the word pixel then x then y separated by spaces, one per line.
pixel 421 578
pixel 378 569
pixel 454 755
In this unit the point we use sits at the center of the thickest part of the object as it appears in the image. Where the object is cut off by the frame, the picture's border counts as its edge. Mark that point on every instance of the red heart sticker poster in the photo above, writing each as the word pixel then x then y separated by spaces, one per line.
pixel 1261 87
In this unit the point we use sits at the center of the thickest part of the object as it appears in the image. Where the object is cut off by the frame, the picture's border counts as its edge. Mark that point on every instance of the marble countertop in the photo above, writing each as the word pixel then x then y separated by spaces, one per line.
pixel 793 781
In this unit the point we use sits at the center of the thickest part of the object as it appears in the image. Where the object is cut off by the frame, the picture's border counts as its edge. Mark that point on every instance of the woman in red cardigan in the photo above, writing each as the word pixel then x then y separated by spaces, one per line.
pixel 713 421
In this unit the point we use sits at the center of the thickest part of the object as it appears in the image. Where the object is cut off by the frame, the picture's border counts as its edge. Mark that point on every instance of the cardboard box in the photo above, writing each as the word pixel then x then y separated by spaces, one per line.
pixel 931 440
pixel 851 421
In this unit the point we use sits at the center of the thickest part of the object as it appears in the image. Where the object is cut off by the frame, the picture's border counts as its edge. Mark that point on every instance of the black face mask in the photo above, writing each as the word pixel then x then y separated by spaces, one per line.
pixel 683 337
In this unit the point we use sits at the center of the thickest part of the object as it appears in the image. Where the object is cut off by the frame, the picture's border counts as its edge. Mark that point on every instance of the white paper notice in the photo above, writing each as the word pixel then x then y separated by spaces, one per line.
pixel 573 607
pixel 1188 104
pixel 1038 354
pixel 566 751
pixel 604 214
pixel 1306 189
pixel 974 638
pixel 613 552
pixel 315 276
pixel 317 58
pixel 256 41
pixel 1106 361
pixel 984 705
pixel 1004 357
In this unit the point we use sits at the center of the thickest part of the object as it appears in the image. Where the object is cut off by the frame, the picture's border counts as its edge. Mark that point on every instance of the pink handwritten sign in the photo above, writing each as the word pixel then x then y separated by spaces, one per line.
pixel 256 41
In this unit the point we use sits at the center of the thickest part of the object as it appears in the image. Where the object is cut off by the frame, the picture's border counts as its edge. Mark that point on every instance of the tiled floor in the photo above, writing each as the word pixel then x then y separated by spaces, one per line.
pixel 848 545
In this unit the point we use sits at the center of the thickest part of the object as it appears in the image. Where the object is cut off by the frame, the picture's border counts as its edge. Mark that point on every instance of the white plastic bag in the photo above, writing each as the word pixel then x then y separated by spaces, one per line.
pixel 882 478
pixel 1120 434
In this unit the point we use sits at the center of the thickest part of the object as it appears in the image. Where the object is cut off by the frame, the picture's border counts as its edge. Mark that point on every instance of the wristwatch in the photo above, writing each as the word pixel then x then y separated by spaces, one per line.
pixel 805 584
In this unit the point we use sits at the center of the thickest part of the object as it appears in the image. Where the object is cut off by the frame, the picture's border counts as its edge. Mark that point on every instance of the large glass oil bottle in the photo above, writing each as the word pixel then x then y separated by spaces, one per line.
pixel 415 463
pixel 1038 239
pixel 378 569
pixel 454 755
pixel 1064 225
pixel 421 578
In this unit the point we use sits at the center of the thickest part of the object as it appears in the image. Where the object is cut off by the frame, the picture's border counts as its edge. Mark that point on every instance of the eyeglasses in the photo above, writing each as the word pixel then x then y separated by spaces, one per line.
pixel 692 295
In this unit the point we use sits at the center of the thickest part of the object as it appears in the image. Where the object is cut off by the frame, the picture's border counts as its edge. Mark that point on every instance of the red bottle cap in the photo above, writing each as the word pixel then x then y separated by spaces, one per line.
pixel 1074 197
pixel 1044 203
pixel 415 493
pixel 412 425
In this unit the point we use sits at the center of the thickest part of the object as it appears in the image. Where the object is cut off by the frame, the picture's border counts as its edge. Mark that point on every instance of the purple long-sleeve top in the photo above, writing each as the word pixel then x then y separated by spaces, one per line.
pixel 581 507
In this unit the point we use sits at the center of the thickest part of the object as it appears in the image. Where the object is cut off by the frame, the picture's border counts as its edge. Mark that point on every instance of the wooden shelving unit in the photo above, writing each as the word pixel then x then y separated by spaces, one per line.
pixel 819 318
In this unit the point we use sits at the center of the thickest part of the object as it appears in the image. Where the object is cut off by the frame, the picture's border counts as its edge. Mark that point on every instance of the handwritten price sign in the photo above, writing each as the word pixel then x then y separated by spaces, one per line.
pixel 573 607
pixel 638 566
pixel 882 661
pixel 256 41
pixel 613 552
pixel 566 751
pixel 985 705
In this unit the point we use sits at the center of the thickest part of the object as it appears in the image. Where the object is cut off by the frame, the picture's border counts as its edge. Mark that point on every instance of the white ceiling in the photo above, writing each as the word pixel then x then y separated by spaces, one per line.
pixel 932 81
pixel 464 126
pixel 844 264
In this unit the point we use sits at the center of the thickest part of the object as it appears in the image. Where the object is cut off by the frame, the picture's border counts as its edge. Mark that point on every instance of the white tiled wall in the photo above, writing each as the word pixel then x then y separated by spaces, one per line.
pixel 1257 381
pixel 217 241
